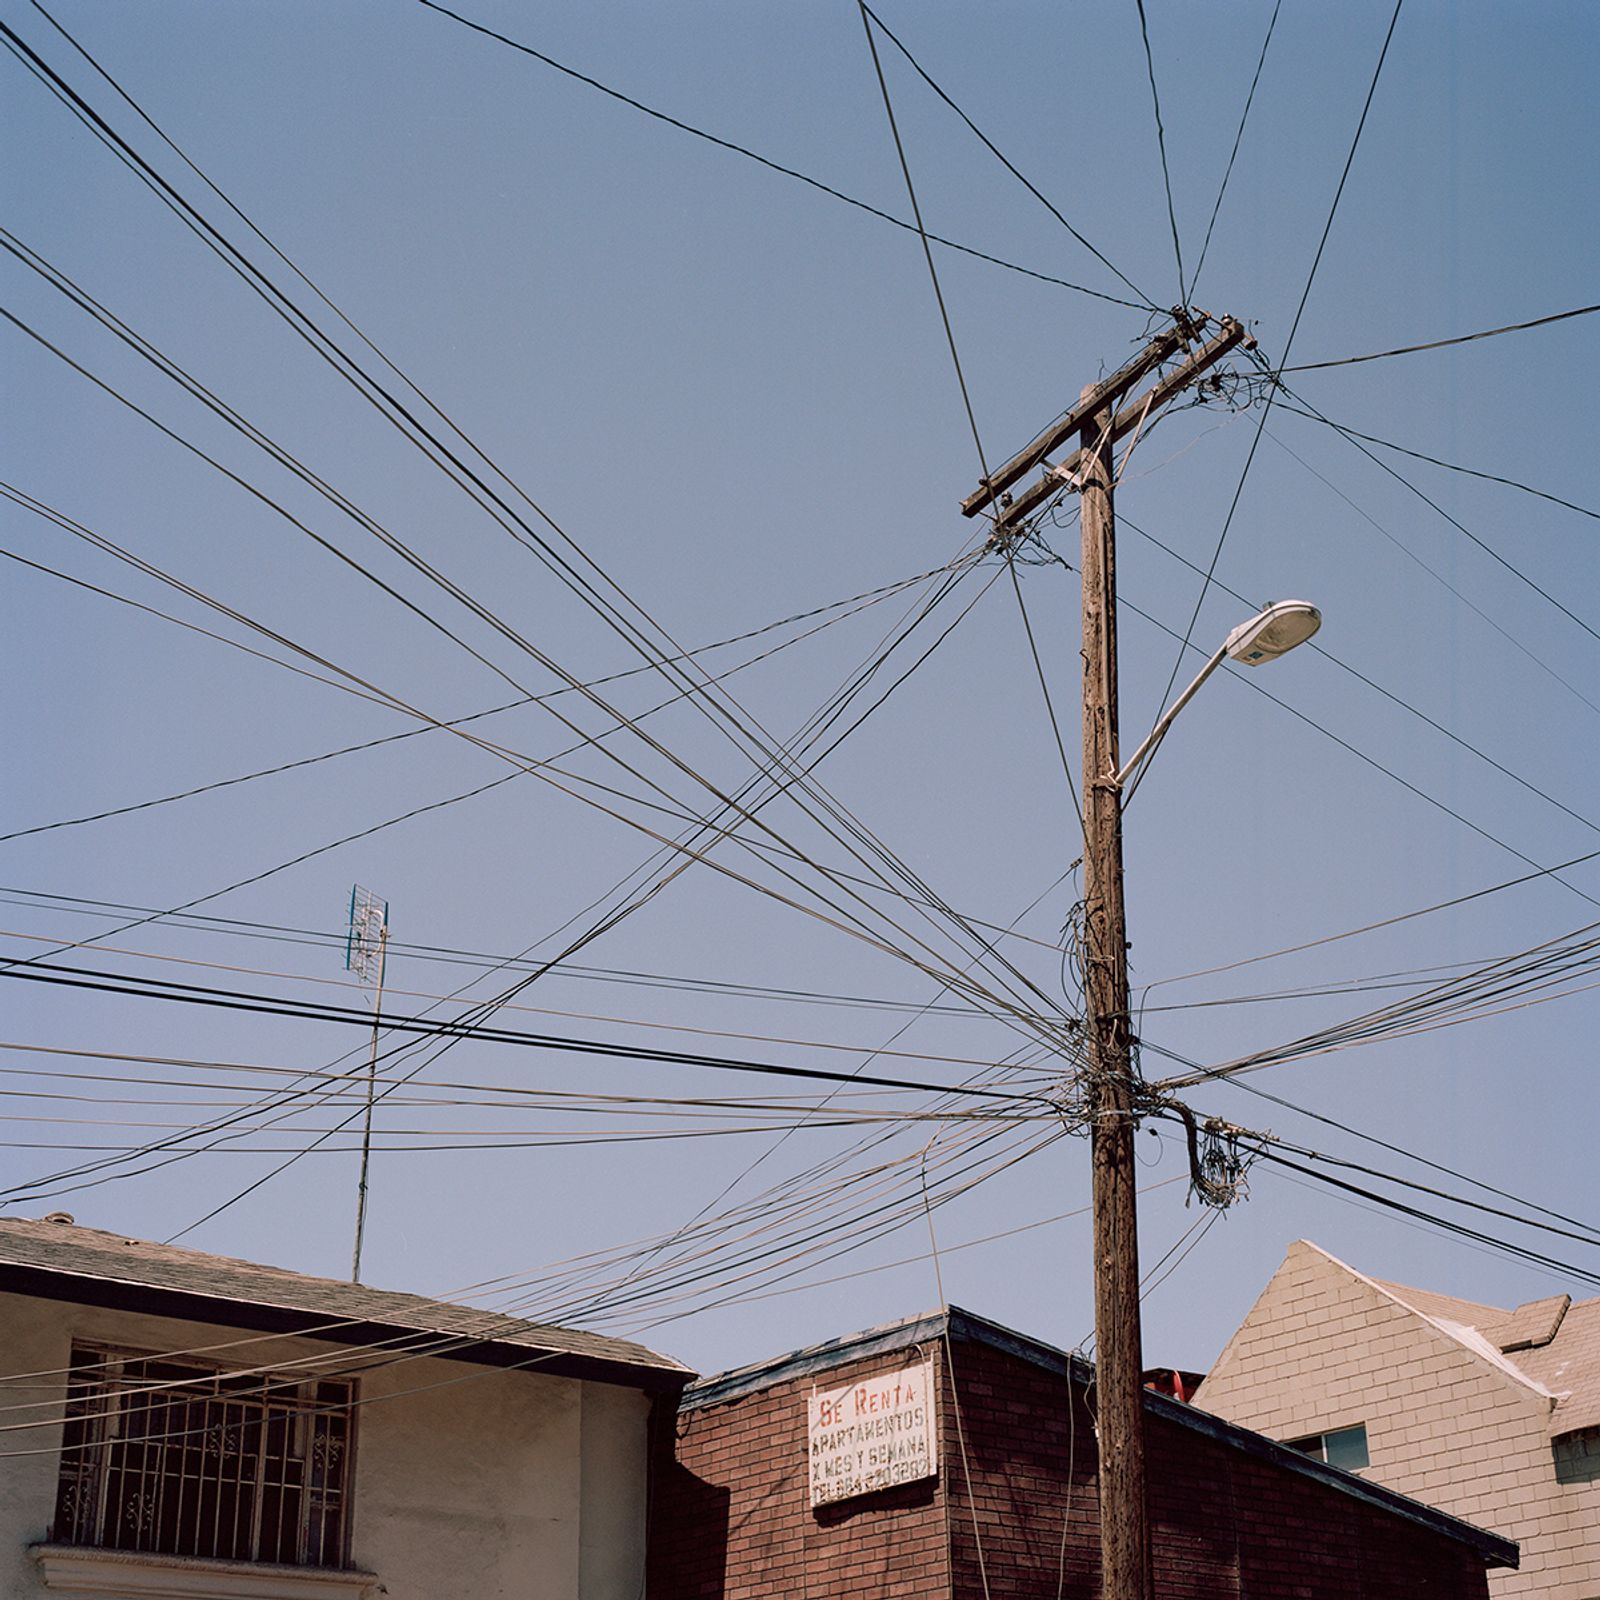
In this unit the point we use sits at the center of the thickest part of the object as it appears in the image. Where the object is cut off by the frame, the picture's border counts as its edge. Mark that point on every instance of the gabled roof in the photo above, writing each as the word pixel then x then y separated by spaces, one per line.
pixel 61 1261
pixel 966 1327
pixel 1440 1307
pixel 1550 1346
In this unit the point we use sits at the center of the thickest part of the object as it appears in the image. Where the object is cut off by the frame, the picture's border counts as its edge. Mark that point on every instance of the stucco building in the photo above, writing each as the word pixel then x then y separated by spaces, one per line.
pixel 177 1423
pixel 1490 1414
pixel 948 1456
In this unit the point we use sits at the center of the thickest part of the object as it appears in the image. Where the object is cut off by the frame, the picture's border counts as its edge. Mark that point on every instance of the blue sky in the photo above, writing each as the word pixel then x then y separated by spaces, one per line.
pixel 733 392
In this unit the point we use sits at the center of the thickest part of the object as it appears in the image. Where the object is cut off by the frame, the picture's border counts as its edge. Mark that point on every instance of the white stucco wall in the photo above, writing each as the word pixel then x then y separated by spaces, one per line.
pixel 471 1483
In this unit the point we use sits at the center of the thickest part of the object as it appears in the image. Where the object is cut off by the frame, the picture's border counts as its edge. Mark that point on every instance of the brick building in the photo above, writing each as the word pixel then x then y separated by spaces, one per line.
pixel 1490 1414
pixel 948 1456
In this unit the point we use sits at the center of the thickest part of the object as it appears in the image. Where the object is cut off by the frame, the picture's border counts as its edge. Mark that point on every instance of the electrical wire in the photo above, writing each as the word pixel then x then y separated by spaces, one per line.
pixel 1488 549
pixel 1442 344
pixel 1436 461
pixel 543 771
pixel 399 992
pixel 773 166
pixel 1405 705
pixel 326 352
pixel 1161 142
pixel 1433 572
pixel 1480 992
pixel 1540 870
pixel 1460 1230
pixel 1294 328
pixel 478 609
pixel 1401 1150
pixel 324 1011
pixel 1233 155
pixel 1004 161
pixel 281 933
pixel 855 603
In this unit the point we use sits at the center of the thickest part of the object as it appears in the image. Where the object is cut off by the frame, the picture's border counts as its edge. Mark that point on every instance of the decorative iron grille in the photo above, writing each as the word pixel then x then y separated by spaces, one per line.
pixel 174 1458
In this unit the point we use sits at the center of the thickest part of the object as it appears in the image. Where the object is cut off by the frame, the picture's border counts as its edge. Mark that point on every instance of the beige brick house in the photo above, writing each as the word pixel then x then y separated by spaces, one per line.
pixel 1488 1414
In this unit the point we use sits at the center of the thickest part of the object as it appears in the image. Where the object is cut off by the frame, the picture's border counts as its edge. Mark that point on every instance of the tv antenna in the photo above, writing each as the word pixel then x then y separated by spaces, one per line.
pixel 366 950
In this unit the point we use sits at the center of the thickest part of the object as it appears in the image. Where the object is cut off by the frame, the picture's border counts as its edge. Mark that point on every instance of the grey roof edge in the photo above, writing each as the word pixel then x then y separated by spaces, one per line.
pixel 924 1328
pixel 617 1365
pixel 737 1382
pixel 1495 1550
pixel 967 1327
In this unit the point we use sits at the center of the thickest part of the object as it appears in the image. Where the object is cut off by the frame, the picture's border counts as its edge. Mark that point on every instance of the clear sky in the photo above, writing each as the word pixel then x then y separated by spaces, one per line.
pixel 733 394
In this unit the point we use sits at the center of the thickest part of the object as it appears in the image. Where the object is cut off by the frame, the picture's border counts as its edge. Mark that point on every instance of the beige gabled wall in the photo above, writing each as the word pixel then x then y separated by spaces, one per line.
pixel 471 1483
pixel 1324 1348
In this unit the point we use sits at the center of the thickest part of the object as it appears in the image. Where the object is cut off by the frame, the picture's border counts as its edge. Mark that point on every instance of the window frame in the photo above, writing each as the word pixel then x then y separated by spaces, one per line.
pixel 265 1456
pixel 1315 1445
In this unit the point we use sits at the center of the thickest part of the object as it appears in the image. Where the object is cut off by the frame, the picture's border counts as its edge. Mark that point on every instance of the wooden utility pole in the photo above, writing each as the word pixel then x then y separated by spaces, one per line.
pixel 1119 1380
pixel 1099 420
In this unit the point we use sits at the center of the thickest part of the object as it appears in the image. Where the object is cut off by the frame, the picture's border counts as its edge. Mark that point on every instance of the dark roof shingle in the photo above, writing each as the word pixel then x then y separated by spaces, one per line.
pixel 65 1261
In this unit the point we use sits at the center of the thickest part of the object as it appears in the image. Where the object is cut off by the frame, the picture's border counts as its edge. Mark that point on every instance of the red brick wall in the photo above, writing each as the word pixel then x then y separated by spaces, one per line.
pixel 731 1518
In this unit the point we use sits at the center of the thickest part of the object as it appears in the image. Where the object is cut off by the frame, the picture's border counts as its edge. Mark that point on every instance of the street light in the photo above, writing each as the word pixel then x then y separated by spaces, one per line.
pixel 1110 1075
pixel 1270 633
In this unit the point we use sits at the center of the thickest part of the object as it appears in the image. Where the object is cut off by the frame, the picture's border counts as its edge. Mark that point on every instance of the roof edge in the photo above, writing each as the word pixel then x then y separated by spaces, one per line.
pixel 1477 1345
pixel 967 1327
pixel 121 1294
pixel 1495 1550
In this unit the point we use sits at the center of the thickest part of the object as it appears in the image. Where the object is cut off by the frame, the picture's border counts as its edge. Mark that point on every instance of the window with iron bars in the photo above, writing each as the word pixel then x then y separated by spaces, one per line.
pixel 176 1458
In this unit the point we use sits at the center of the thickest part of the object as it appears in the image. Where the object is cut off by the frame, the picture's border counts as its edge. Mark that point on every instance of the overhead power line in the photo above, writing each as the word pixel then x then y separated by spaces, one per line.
pixel 725 716
pixel 1288 344
pixel 1398 700
pixel 1238 138
pixel 1002 158
pixel 1385 922
pixel 317 1011
pixel 858 602
pixel 1443 344
pixel 1161 143
pixel 1509 635
pixel 1436 461
pixel 765 161
pixel 1460 527
pixel 283 933
pixel 1505 1247
pixel 1409 1155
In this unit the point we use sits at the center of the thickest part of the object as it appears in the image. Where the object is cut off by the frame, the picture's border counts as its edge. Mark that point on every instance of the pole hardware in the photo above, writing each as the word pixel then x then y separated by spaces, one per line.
pixel 1231 335
pixel 1114 1094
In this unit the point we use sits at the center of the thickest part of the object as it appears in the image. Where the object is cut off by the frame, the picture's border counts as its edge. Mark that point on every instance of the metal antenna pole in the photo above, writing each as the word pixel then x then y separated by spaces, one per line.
pixel 366 1124
pixel 366 954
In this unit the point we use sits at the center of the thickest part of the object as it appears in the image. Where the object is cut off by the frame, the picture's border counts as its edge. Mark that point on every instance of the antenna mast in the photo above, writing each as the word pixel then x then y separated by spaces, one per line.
pixel 365 953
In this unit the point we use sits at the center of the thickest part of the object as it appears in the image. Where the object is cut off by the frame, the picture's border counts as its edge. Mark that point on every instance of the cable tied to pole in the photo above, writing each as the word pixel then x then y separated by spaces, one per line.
pixel 1218 1165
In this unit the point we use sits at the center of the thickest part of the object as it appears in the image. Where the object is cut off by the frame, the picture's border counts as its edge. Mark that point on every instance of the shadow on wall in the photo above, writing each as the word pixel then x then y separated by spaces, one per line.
pixel 688 1554
pixel 903 1498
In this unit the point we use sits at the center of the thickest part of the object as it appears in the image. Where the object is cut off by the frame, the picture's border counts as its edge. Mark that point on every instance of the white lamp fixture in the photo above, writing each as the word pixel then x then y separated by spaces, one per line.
pixel 1266 636
pixel 1273 632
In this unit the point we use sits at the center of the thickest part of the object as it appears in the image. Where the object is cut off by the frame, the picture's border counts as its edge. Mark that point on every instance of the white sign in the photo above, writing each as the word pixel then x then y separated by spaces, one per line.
pixel 872 1434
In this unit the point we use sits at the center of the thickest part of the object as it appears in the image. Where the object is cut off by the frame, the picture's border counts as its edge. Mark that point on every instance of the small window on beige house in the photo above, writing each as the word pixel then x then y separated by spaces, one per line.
pixel 1345 1447
pixel 177 1458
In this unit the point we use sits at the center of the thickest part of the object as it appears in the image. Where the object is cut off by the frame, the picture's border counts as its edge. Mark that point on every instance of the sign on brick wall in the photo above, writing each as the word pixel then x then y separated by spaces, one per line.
pixel 872 1434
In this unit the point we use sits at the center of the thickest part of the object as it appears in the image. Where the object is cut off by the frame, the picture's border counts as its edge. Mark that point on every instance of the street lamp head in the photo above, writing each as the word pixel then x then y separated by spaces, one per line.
pixel 1273 632
pixel 1266 636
